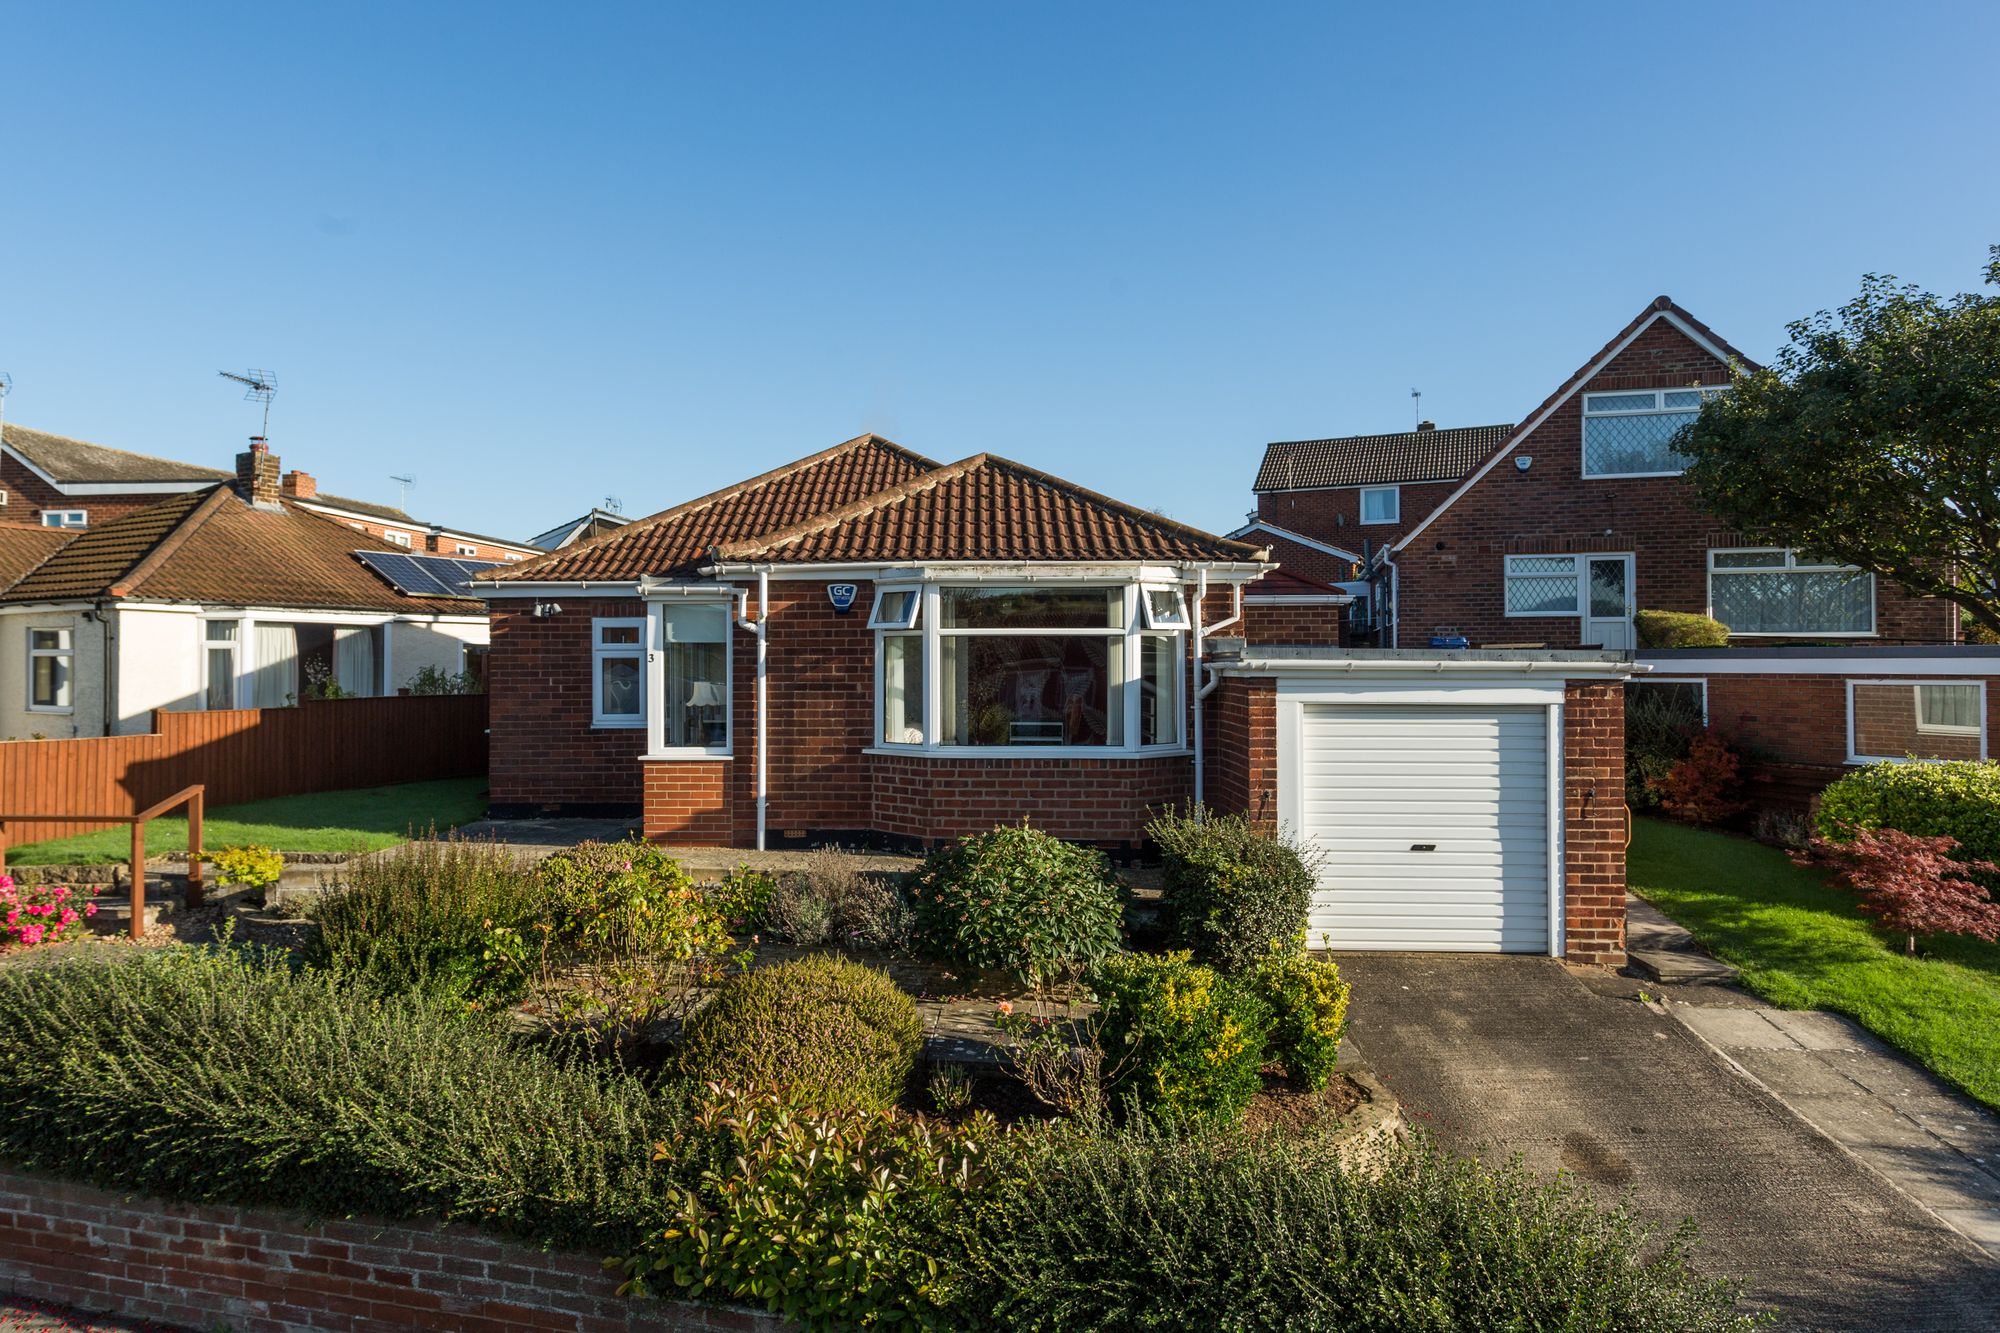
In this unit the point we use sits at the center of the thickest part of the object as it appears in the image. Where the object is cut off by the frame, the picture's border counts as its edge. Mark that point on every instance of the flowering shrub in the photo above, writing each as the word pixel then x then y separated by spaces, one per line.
pixel 39 913
pixel 253 867
pixel 1017 899
pixel 827 1216
pixel 1308 1005
pixel 1914 886
pixel 1057 1051
pixel 741 897
pixel 1701 787
pixel 1191 1042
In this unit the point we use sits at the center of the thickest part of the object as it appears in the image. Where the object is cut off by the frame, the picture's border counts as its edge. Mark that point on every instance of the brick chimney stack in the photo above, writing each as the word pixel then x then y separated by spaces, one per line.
pixel 300 486
pixel 1427 425
pixel 257 474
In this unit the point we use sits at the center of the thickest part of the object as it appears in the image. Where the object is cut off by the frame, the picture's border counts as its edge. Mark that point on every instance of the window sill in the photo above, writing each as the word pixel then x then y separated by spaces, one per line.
pixel 1027 752
pixel 52 712
pixel 683 755
pixel 617 724
pixel 1628 476
pixel 1801 634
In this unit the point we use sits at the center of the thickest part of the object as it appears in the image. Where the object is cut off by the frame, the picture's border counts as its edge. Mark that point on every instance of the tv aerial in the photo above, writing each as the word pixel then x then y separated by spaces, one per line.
pixel 405 482
pixel 259 386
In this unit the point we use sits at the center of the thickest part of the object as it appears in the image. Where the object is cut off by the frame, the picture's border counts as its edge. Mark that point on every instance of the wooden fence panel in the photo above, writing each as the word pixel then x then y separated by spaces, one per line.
pixel 241 755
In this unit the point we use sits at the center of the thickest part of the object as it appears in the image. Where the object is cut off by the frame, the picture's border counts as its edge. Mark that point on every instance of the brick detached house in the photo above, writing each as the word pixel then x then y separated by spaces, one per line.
pixel 1579 517
pixel 227 596
pixel 868 645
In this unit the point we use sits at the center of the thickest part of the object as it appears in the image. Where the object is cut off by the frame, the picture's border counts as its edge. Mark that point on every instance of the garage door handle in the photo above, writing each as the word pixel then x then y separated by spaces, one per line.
pixel 1423 846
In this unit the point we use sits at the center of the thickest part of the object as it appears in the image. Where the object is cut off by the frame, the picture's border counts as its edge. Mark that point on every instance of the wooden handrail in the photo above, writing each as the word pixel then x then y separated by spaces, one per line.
pixel 192 796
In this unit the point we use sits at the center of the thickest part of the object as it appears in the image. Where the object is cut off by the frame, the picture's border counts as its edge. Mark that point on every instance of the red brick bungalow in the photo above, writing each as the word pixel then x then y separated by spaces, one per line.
pixel 866 645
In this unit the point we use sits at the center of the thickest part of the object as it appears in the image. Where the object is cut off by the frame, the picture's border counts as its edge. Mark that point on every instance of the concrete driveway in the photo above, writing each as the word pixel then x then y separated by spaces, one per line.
pixel 1504 1055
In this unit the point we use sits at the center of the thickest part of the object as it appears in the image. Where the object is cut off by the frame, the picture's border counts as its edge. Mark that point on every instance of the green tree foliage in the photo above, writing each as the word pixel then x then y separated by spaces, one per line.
pixel 1874 440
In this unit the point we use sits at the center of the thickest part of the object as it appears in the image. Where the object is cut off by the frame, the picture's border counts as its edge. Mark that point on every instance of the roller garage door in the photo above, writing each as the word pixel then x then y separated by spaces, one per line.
pixel 1434 825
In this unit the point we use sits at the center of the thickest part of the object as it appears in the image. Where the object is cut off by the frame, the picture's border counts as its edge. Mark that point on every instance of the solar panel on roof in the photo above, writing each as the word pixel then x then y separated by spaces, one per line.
pixel 424 575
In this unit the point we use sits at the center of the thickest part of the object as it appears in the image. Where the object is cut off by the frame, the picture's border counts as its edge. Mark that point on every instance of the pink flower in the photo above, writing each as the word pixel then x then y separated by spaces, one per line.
pixel 6 881
pixel 68 915
pixel 13 916
pixel 90 909
pixel 1006 1006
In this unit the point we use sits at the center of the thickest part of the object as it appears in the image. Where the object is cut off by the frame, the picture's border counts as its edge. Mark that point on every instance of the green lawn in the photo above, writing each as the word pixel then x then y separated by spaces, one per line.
pixel 1801 945
pixel 363 819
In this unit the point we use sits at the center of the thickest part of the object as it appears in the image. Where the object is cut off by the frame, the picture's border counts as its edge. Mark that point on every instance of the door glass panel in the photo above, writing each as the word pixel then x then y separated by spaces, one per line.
pixel 1607 589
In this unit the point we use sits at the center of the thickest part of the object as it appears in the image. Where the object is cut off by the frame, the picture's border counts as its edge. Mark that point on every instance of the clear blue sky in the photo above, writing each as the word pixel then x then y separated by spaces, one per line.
pixel 538 255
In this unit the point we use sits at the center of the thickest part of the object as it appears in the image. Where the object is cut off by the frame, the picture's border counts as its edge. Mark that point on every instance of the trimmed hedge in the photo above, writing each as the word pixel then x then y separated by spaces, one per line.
pixel 831 1032
pixel 211 1076
pixel 1679 629
pixel 1960 799
pixel 1228 1232
pixel 1231 892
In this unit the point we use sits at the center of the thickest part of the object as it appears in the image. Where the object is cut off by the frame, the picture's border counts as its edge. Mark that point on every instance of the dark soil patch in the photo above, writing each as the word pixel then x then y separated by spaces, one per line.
pixel 1286 1107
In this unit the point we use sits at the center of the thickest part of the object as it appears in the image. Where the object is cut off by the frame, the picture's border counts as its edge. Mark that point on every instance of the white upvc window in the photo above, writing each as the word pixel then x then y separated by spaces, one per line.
pixel 1770 590
pixel 219 663
pixel 896 608
pixel 1381 504
pixel 1045 668
pixel 1544 585
pixel 65 518
pixel 51 671
pixel 1904 721
pixel 618 672
pixel 1630 433
pixel 688 680
pixel 392 535
pixel 463 548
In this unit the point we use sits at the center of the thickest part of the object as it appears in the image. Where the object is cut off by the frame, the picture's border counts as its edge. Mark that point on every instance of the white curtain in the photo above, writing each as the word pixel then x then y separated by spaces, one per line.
pixel 354 660
pixel 274 675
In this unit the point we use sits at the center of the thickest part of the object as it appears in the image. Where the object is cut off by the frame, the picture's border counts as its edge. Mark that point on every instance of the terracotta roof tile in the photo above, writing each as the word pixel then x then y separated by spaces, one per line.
pixel 23 548
pixel 210 547
pixel 679 539
pixel 987 508
pixel 1377 460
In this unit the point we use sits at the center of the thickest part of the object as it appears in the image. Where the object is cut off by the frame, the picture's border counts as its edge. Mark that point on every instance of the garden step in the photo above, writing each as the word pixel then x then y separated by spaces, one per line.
pixel 1661 948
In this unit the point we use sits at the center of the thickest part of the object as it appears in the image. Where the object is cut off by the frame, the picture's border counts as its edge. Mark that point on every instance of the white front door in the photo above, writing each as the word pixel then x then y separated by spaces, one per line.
pixel 1432 823
pixel 1607 607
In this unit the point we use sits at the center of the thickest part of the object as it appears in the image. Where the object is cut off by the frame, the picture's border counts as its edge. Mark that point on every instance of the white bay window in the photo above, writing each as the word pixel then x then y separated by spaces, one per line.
pixel 1772 590
pixel 1087 667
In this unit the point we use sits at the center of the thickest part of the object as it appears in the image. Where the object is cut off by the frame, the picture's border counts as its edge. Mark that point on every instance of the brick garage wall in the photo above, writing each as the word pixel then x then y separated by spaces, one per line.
pixel 1103 801
pixel 1453 572
pixel 1594 822
pixel 1240 746
pixel 545 755
pixel 1269 623
pixel 257 1271
pixel 1333 515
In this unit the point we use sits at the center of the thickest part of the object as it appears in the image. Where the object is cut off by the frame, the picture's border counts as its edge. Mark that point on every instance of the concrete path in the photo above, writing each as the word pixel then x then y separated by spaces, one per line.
pixel 1931 1142
pixel 1569 1069
pixel 21 1314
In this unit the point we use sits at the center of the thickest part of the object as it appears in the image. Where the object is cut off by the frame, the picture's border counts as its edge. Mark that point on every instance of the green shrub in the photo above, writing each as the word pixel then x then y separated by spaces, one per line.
pixel 1017 899
pixel 1679 629
pixel 1960 799
pixel 829 1031
pixel 212 1076
pixel 421 915
pixel 1232 891
pixel 576 873
pixel 741 897
pixel 1307 1002
pixel 826 1216
pixel 1181 1041
pixel 1228 1232
pixel 1661 721
pixel 253 867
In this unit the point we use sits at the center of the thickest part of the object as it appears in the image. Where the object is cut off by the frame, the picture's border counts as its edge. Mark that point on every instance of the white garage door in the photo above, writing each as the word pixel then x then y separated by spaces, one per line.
pixel 1433 822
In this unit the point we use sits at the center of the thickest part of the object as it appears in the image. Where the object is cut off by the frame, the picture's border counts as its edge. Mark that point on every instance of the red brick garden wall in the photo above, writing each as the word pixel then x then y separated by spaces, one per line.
pixel 256 1271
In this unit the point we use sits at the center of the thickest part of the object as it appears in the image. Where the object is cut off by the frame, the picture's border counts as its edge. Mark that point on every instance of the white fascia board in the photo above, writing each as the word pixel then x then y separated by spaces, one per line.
pixel 1530 426
pixel 401 524
pixel 448 533
pixel 1020 571
pixel 46 608
pixel 1298 599
pixel 1299 537
pixel 1749 662
pixel 1425 668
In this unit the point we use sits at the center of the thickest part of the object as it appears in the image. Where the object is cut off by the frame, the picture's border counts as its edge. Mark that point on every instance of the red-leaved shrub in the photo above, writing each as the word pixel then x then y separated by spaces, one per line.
pixel 1913 886
pixel 1701 788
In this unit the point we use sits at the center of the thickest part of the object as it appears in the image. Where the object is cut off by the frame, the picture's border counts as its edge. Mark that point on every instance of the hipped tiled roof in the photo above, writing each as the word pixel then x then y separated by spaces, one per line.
pixel 70 460
pixel 1377 460
pixel 987 508
pixel 23 548
pixel 211 547
pixel 678 540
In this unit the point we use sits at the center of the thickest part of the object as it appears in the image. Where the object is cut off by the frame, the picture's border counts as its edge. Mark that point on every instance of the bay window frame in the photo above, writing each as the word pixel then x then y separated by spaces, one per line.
pixel 1134 630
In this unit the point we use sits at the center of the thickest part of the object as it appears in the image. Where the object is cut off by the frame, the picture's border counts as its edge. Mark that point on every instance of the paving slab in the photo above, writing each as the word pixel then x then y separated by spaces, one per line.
pixel 1568 1069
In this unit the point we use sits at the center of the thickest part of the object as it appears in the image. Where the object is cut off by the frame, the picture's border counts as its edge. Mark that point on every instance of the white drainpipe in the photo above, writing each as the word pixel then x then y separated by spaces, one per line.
pixel 758 628
pixel 1204 689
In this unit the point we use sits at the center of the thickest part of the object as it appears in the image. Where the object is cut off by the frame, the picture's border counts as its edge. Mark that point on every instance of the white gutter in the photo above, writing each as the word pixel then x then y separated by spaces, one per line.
pixel 973 571
pixel 758 627
pixel 1410 666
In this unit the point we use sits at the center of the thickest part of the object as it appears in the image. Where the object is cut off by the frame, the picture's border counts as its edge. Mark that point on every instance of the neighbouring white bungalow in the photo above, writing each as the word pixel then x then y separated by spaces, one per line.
pixel 231 596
